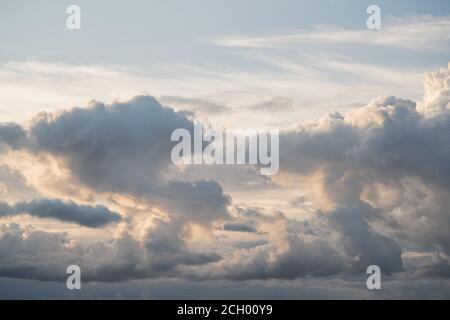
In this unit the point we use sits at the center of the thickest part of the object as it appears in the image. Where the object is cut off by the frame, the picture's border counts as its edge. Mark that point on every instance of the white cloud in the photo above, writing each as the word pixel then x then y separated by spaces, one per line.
pixel 418 33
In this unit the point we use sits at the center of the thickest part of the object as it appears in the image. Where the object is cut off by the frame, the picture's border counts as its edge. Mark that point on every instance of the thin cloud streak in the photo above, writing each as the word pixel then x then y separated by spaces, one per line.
pixel 418 33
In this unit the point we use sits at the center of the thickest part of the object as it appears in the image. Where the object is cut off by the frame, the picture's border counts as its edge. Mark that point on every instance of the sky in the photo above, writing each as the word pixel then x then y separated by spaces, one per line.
pixel 86 176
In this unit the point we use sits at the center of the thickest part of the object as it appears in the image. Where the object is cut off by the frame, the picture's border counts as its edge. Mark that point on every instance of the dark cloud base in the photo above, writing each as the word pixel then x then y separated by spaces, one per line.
pixel 83 215
pixel 324 288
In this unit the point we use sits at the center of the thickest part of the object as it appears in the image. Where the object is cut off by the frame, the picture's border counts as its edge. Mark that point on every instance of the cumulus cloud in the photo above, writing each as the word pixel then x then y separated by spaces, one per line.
pixel 36 254
pixel 361 243
pixel 378 177
pixel 120 147
pixel 83 215
pixel 11 135
pixel 361 159
pixel 33 254
pixel 437 93
pixel 290 252
pixel 123 148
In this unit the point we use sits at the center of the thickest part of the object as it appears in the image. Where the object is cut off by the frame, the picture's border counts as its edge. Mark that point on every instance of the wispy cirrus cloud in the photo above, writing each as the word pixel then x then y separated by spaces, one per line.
pixel 202 105
pixel 417 32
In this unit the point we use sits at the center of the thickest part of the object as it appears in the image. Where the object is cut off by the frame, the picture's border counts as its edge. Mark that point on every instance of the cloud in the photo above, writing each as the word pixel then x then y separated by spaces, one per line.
pixel 438 267
pixel 167 249
pixel 125 148
pixel 11 135
pixel 110 147
pixel 358 161
pixel 379 137
pixel 57 86
pixel 33 254
pixel 424 32
pixel 28 253
pixel 83 215
pixel 437 93
pixel 238 227
pixel 378 177
pixel 289 253
pixel 363 245
pixel 277 104
pixel 14 186
pixel 195 104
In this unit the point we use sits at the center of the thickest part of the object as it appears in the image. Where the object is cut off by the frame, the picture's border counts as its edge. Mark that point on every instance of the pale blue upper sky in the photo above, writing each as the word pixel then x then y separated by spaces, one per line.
pixel 147 31
pixel 319 54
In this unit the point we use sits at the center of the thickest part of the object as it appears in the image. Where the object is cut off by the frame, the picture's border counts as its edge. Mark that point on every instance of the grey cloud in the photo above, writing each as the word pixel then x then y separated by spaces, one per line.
pixel 11 135
pixel 120 147
pixel 125 148
pixel 304 288
pixel 289 252
pixel 396 144
pixel 41 255
pixel 167 249
pixel 83 215
pixel 307 149
pixel 385 142
pixel 406 144
pixel 201 201
pixel 336 242
pixel 439 267
pixel 277 104
pixel 34 254
pixel 363 245
pixel 299 259
pixel 195 104
pixel 238 227
pixel 388 138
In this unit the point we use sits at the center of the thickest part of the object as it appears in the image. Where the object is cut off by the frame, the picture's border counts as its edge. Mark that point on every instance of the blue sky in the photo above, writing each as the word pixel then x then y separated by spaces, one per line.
pixel 171 31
